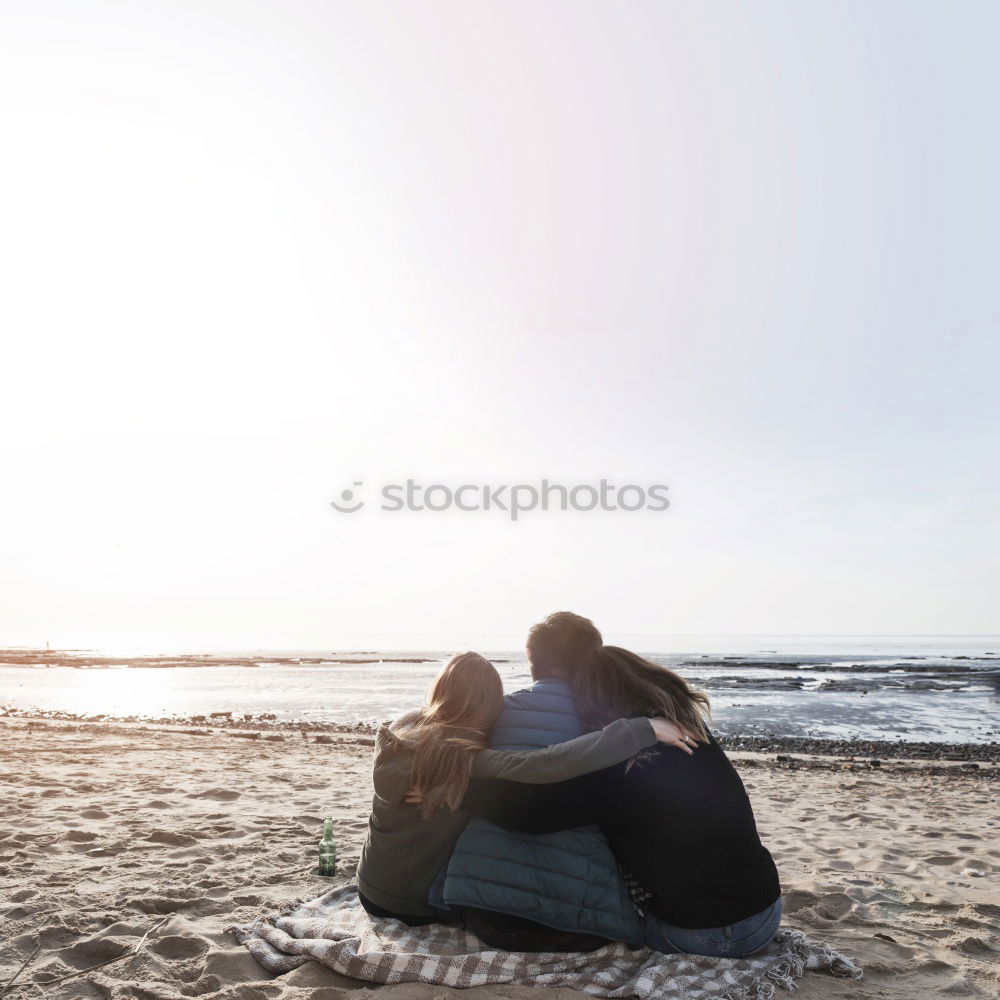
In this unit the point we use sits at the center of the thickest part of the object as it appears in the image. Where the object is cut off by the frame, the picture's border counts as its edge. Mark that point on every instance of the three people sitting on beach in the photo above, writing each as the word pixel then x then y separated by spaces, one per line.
pixel 525 843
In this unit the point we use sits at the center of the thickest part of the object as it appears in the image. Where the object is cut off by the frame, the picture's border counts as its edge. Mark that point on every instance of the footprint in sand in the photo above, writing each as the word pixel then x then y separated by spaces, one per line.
pixel 97 949
pixel 80 836
pixel 793 900
pixel 218 794
pixel 93 814
pixel 110 851
pixel 976 864
pixel 233 965
pixel 198 905
pixel 974 946
pixel 834 905
pixel 177 947
pixel 172 839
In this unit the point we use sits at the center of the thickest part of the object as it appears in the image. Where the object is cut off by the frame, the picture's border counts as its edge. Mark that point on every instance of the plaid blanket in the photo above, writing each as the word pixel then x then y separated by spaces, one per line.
pixel 336 931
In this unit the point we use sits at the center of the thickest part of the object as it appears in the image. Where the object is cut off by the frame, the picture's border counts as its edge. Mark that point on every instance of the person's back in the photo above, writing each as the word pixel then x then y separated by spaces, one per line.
pixel 437 749
pixel 682 825
pixel 568 882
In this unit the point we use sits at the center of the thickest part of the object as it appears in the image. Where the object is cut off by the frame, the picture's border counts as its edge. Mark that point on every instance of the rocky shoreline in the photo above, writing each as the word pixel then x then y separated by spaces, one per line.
pixel 869 749
pixel 267 726
pixel 82 659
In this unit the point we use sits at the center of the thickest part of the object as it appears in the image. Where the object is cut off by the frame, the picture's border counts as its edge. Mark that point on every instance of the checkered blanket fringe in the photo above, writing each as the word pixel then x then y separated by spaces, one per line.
pixel 336 931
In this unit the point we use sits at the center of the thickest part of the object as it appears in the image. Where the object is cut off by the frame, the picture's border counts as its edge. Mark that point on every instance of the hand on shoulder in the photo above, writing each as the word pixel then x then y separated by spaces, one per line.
pixel 673 735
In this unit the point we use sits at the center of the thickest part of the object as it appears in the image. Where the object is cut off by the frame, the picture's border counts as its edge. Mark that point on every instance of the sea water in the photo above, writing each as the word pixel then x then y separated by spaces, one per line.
pixel 939 688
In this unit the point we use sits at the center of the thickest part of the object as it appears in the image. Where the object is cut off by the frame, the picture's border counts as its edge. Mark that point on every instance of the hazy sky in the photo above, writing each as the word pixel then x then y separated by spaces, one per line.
pixel 253 253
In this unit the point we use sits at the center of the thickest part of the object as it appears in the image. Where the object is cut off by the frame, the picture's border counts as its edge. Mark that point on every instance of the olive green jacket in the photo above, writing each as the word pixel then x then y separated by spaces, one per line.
pixel 403 853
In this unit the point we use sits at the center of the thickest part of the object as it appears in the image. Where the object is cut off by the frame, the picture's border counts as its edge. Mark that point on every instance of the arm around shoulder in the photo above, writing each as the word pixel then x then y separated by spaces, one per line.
pixel 592 752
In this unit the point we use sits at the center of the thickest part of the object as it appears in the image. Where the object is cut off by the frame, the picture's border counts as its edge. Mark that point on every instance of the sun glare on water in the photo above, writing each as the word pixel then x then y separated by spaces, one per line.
pixel 140 691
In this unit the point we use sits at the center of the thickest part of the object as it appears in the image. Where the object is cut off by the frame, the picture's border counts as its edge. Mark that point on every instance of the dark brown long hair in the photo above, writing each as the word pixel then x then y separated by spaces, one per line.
pixel 463 704
pixel 616 683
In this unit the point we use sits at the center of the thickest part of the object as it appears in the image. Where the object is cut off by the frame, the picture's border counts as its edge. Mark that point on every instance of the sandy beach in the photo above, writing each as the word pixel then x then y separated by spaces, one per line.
pixel 108 828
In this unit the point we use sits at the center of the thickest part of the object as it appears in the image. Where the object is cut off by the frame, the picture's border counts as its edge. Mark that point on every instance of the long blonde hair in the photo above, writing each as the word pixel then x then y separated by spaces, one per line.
pixel 462 706
pixel 617 683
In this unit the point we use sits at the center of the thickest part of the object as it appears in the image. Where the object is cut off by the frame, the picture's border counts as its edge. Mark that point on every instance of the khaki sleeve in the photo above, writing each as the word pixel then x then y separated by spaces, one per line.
pixel 593 752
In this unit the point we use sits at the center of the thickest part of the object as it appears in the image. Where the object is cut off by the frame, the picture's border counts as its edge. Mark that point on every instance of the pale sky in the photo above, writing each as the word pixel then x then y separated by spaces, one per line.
pixel 253 253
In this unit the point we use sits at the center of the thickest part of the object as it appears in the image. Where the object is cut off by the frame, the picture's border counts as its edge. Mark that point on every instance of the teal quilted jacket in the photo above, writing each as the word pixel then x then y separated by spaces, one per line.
pixel 568 880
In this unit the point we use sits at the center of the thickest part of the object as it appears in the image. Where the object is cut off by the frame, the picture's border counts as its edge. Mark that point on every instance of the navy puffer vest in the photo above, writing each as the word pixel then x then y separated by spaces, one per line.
pixel 568 880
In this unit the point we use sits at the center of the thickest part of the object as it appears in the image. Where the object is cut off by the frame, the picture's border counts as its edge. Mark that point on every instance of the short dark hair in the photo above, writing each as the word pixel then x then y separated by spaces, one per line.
pixel 561 644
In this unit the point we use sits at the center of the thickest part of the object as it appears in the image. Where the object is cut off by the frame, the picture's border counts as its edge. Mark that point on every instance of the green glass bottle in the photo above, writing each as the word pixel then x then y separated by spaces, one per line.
pixel 327 851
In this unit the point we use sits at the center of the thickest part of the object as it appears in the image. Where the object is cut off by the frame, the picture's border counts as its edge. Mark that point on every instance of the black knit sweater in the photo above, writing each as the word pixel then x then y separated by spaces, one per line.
pixel 681 824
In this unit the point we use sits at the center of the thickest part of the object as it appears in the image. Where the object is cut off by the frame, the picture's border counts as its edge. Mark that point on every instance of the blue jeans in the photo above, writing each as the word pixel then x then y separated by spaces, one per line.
pixel 735 941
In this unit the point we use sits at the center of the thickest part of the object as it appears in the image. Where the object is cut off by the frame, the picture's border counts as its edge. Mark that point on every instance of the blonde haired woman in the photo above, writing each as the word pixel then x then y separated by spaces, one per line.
pixel 438 749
